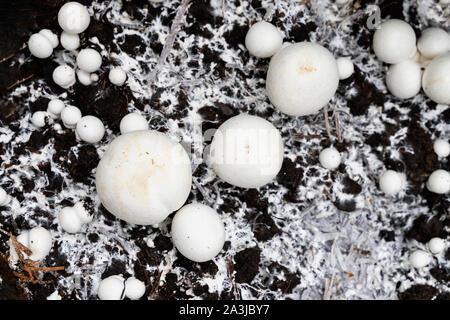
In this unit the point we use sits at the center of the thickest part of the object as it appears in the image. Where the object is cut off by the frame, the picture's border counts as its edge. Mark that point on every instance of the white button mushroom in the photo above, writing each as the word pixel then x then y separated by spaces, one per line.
pixel 263 40
pixel 198 232
pixel 117 76
pixel 70 116
pixel 436 79
pixel 4 197
pixel 39 119
pixel 436 245
pixel 40 46
pixel 302 78
pixel 247 151
pixel 90 129
pixel 54 296
pixel 55 107
pixel 419 259
pixel 394 41
pixel 84 77
pixel 134 288
pixel 89 60
pixel 73 17
pixel 404 79
pixel 391 182
pixel 345 67
pixel 442 148
pixel 330 158
pixel 69 220
pixel 439 181
pixel 433 42
pixel 38 240
pixel 143 177
pixel 51 37
pixel 133 122
pixel 111 288
pixel 94 77
pixel 70 41
pixel 64 76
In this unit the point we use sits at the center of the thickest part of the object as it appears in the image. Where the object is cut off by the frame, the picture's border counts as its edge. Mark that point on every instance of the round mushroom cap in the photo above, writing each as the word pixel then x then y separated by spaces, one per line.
pixel 404 79
pixel 247 151
pixel 302 78
pixel 143 177
pixel 263 40
pixel 433 42
pixel 73 17
pixel 436 79
pixel 198 232
pixel 394 41
pixel 111 288
pixel 40 46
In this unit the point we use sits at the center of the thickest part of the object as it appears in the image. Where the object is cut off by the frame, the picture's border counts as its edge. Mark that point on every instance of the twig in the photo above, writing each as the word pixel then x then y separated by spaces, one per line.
pixel 20 81
pixel 327 123
pixel 327 293
pixel 155 288
pixel 233 284
pixel 12 54
pixel 338 127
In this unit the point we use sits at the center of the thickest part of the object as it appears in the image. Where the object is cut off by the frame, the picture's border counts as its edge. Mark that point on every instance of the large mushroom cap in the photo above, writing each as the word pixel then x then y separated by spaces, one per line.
pixel 143 177
pixel 302 78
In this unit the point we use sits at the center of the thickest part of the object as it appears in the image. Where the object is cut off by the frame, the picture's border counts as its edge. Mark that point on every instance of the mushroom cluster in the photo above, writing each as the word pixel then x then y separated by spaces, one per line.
pixel 395 43
pixel 116 288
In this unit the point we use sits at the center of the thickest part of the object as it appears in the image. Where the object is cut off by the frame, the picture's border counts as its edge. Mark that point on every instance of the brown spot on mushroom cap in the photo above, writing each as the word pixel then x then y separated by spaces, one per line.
pixel 303 69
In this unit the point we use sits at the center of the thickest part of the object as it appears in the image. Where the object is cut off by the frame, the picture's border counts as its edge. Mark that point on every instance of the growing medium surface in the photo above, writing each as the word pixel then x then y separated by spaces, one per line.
pixel 286 240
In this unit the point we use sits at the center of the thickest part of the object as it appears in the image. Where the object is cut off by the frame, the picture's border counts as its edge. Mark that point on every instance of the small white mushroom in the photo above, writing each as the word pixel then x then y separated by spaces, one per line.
pixel 90 129
pixel 263 40
pixel 89 60
pixel 433 42
pixel 64 76
pixel 133 122
pixel 302 78
pixel 111 288
pixel 198 232
pixel 134 288
pixel 436 79
pixel 40 46
pixel 439 182
pixel 404 79
pixel 345 67
pixel 391 182
pixel 419 259
pixel 84 77
pixel 51 37
pixel 442 148
pixel 73 17
pixel 394 41
pixel 55 107
pixel 69 220
pixel 70 116
pixel 39 119
pixel 330 158
pixel 436 245
pixel 247 151
pixel 70 41
pixel 117 76
pixel 38 240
